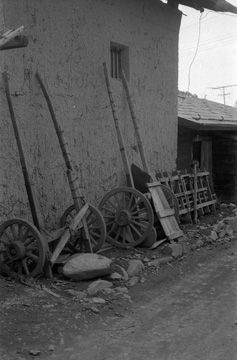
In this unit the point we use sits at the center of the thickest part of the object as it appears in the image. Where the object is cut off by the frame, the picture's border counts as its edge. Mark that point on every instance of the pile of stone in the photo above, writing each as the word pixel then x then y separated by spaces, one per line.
pixel 226 228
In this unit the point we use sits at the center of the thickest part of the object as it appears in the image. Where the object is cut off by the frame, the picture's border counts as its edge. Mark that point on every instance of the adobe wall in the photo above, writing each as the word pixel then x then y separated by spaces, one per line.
pixel 68 42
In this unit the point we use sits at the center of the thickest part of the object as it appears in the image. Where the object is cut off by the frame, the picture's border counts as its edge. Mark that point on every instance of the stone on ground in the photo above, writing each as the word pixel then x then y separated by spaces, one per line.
pixel 233 223
pixel 86 266
pixel 177 250
pixel 120 270
pixel 133 281
pixel 213 235
pixel 135 267
pixel 97 286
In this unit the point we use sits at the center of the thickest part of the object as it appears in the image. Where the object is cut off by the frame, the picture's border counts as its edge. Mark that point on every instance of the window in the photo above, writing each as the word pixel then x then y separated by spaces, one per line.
pixel 119 60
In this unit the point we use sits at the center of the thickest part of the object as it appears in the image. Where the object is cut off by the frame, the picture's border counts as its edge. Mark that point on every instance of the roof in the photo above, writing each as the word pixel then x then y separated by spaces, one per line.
pixel 202 114
pixel 215 5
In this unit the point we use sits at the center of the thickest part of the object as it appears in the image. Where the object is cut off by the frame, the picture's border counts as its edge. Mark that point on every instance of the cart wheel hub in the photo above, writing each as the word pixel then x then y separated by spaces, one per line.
pixel 16 250
pixel 123 217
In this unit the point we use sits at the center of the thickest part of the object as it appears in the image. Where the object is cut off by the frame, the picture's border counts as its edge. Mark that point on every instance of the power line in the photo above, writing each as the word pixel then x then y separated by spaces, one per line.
pixel 196 51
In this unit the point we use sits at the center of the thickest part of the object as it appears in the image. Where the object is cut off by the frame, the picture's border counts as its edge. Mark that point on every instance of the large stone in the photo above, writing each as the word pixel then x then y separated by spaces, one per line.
pixel 135 267
pixel 97 286
pixel 86 266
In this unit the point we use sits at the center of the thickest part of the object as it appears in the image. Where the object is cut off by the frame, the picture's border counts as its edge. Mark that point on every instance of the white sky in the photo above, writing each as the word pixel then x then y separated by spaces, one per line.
pixel 215 63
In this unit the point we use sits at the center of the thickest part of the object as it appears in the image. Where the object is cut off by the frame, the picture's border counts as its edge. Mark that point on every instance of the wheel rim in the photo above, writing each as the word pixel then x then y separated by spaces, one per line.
pixel 128 217
pixel 22 248
pixel 96 227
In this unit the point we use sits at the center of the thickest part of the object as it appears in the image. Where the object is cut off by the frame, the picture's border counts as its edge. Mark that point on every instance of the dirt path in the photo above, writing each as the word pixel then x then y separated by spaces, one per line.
pixel 187 312
pixel 193 317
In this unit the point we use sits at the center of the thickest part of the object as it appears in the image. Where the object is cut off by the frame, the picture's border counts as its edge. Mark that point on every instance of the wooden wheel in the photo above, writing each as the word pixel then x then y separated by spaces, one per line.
pixel 128 216
pixel 172 200
pixel 96 227
pixel 22 248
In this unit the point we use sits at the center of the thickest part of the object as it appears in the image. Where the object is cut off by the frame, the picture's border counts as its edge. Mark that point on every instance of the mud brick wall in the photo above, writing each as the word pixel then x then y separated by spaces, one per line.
pixel 68 42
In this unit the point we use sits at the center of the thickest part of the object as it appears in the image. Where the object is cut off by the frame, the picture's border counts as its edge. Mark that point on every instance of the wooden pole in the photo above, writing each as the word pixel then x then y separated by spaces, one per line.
pixel 135 124
pixel 72 178
pixel 195 191
pixel 77 196
pixel 21 153
pixel 119 134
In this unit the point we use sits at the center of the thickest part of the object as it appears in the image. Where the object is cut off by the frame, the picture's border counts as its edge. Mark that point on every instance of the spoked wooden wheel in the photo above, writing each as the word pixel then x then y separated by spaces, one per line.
pixel 22 248
pixel 172 200
pixel 96 227
pixel 128 216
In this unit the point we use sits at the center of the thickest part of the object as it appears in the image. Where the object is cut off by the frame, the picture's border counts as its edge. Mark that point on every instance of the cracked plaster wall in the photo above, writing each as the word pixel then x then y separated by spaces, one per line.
pixel 68 42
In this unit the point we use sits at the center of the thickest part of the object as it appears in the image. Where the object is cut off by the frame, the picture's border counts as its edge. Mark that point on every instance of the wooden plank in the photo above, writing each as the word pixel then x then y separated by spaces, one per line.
pixel 67 234
pixel 168 222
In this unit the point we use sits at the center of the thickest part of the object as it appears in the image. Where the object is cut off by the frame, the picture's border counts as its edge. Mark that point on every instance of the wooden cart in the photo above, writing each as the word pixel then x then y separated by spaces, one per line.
pixel 28 249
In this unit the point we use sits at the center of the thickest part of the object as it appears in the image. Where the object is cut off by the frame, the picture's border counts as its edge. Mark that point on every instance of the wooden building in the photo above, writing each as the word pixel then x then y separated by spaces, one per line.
pixel 207 132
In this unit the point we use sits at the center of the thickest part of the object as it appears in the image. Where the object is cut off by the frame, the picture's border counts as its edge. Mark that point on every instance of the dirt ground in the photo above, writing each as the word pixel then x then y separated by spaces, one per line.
pixel 45 318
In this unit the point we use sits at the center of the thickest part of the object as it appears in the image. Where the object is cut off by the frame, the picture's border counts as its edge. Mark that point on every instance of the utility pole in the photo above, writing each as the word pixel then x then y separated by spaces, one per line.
pixel 224 94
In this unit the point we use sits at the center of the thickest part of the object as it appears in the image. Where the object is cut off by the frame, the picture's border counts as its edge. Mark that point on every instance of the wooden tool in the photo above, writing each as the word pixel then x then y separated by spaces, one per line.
pixel 165 214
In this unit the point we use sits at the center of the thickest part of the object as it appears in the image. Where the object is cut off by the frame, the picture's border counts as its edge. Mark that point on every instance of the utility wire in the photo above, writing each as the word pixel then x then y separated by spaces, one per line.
pixel 196 51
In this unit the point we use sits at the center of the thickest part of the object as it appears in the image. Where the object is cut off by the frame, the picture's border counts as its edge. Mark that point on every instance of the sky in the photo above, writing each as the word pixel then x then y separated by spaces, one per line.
pixel 208 54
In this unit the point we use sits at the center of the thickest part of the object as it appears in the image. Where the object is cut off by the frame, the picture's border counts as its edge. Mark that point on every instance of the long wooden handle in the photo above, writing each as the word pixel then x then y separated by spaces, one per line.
pixel 135 124
pixel 72 177
pixel 119 134
pixel 21 153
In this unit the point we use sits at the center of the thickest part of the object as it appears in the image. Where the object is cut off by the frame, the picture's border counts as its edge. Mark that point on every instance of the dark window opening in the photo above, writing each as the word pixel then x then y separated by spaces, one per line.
pixel 119 59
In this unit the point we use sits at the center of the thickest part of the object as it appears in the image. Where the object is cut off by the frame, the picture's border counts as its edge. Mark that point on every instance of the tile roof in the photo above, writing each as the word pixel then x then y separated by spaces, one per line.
pixel 206 114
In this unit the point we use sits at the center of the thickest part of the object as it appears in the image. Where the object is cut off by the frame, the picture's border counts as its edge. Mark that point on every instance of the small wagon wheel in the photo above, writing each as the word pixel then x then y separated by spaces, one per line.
pixel 22 248
pixel 128 216
pixel 172 200
pixel 96 227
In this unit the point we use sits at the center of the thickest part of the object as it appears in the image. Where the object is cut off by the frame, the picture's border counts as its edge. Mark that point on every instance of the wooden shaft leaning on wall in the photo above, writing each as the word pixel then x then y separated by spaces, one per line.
pixel 72 178
pixel 21 153
pixel 135 124
pixel 119 134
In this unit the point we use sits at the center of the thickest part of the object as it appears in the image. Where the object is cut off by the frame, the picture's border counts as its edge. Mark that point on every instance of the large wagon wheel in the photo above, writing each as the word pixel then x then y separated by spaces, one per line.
pixel 96 227
pixel 128 216
pixel 172 200
pixel 22 248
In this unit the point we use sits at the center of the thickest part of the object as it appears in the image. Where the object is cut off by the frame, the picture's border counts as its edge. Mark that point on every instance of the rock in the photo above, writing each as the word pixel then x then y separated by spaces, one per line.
pixel 229 231
pixel 120 270
pixel 158 262
pixel 116 276
pixel 51 347
pixel 199 243
pixel 223 206
pixel 97 286
pixel 98 300
pixel 186 249
pixel 133 281
pixel 177 250
pixel 34 352
pixel 218 227
pixel 233 223
pixel 86 266
pixel 232 205
pixel 78 294
pixel 94 309
pixel 135 267
pixel 222 233
pixel 108 291
pixel 213 235
pixel 122 289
